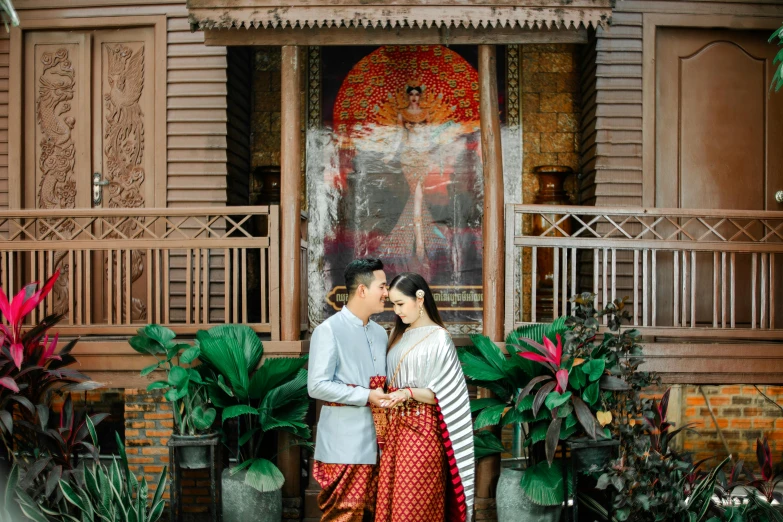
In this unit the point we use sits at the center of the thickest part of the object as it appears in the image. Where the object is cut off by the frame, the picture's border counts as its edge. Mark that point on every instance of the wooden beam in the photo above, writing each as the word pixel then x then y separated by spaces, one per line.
pixel 493 231
pixel 290 191
pixel 391 36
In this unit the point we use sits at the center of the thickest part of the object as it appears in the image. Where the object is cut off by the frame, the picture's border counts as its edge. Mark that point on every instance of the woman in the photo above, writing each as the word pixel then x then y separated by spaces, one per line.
pixel 416 232
pixel 427 467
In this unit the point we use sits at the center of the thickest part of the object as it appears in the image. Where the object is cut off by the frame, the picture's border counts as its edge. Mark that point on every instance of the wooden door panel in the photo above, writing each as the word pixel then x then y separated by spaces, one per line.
pixel 718 135
pixel 57 140
pixel 123 151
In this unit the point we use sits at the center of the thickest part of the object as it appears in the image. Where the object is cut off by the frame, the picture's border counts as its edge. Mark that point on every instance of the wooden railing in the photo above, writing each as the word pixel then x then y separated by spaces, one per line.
pixel 187 269
pixel 687 274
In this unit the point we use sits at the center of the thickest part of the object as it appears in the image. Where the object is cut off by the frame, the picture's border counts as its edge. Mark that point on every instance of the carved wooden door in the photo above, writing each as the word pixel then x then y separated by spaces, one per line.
pixel 90 143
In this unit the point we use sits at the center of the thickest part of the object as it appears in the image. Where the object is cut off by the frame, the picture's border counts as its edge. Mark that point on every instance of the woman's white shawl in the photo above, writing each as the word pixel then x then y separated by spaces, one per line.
pixel 433 364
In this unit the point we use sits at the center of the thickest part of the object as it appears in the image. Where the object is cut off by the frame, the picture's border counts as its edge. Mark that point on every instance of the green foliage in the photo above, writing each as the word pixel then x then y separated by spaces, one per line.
pixel 272 397
pixel 777 76
pixel 183 387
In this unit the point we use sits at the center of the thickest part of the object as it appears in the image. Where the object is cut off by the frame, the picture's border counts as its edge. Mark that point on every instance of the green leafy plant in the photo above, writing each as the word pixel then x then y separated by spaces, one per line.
pixel 32 369
pixel 266 398
pixel 777 76
pixel 184 387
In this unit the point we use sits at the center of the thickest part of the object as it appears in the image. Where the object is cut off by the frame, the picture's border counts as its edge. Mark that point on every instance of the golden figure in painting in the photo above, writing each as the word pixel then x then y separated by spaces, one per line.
pixel 423 124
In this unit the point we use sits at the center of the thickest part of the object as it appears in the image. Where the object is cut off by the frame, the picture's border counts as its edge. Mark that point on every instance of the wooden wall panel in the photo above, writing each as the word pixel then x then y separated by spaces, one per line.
pixel 612 122
pixel 4 58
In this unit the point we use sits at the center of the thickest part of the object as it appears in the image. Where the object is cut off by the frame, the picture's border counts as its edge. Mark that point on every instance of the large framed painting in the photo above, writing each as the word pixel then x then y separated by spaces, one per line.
pixel 394 171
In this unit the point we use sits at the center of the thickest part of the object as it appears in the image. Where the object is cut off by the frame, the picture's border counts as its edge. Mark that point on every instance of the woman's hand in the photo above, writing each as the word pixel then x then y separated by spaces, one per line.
pixel 396 398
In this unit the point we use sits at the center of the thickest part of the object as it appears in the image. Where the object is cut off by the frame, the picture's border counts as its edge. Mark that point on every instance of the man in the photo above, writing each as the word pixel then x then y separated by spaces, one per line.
pixel 346 352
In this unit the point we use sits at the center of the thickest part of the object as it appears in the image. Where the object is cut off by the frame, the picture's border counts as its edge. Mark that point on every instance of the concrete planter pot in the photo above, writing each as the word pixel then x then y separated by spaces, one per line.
pixel 514 506
pixel 192 451
pixel 241 503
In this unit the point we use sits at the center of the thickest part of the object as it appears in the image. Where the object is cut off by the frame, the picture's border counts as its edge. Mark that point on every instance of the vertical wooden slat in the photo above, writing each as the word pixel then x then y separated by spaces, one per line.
pixel 555 280
pixel 596 268
pixel 110 285
pixel 614 274
pixel 636 288
pixel 151 306
pixel 772 290
pixel 128 281
pixel 604 281
pixel 754 259
pixel 227 285
pixel 244 286
pixel 188 287
pixel 675 289
pixel 71 288
pixel 573 277
pixel 645 292
pixel 80 295
pixel 732 289
pixel 520 315
pixel 693 289
pixel 235 279
pixel 533 282
pixel 564 288
pixel 166 275
pixel 262 254
pixel 716 287
pixel 88 277
pixel 723 289
pixel 684 288
pixel 205 317
pixel 654 272
pixel 118 283
pixel 196 286
pixel 763 305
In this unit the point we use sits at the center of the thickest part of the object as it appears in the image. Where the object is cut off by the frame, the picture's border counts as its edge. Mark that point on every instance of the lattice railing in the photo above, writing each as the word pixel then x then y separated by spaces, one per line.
pixel 694 273
pixel 186 268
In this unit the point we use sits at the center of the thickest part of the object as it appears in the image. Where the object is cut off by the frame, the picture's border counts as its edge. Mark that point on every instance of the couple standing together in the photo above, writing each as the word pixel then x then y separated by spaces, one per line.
pixel 422 418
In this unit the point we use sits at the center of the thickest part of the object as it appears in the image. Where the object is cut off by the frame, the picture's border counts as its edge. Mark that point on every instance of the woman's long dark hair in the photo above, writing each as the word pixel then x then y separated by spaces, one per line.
pixel 407 283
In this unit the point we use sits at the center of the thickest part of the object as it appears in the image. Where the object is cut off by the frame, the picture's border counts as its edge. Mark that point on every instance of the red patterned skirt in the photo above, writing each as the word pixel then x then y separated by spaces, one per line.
pixel 412 485
pixel 347 491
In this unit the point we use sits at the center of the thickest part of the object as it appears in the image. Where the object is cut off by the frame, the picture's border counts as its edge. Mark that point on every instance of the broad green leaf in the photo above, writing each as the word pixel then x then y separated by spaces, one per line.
pixel 273 372
pixel 190 355
pixel 537 432
pixel 236 411
pixel 227 356
pixel 554 399
pixel 264 476
pixel 489 351
pixel 248 341
pixel 159 333
pixel 543 484
pixel 203 419
pixel 149 369
pixel 485 443
pixel 489 416
pixel 157 385
pixel 591 393
pixel 480 404
pixel 293 390
pixel 477 369
pixel 594 368
pixel 177 376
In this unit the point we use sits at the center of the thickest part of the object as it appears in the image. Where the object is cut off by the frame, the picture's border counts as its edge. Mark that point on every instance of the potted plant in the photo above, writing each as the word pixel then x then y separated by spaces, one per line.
pixel 184 388
pixel 558 384
pixel 263 399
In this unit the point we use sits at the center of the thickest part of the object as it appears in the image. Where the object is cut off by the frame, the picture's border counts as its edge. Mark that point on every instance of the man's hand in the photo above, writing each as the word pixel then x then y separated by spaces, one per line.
pixel 378 397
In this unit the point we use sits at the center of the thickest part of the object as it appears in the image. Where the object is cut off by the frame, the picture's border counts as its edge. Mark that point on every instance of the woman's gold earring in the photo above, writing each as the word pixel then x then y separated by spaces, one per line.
pixel 421 311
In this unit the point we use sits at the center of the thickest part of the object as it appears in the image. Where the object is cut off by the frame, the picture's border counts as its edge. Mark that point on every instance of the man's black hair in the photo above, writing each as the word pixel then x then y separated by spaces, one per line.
pixel 360 272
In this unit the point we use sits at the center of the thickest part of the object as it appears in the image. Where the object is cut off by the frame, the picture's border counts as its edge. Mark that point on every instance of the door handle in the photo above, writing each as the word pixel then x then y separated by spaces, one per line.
pixel 779 196
pixel 97 188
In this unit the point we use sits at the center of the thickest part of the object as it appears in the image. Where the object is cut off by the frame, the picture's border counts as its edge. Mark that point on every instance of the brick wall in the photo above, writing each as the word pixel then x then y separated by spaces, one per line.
pixel 743 415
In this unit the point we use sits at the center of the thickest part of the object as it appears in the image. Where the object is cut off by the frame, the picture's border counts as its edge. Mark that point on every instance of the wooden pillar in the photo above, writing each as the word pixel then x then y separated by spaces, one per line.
pixel 488 469
pixel 290 212
pixel 290 191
